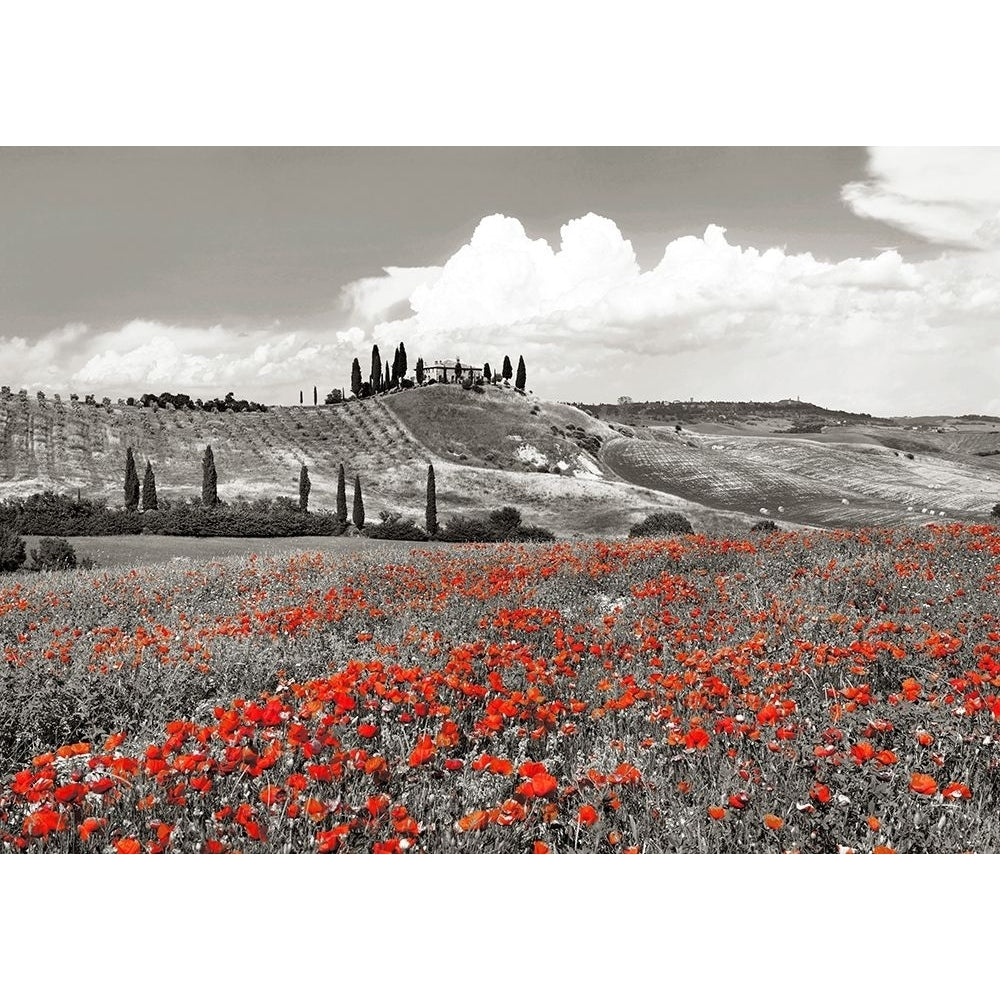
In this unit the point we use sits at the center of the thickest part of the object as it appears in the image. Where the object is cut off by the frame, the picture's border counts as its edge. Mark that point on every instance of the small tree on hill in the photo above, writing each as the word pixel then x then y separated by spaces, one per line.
pixel 487 372
pixel 209 479
pixel 507 370
pixel 404 365
pixel 358 515
pixel 315 396
pixel 996 510
pixel 386 378
pixel 341 496
pixel 431 521
pixel 356 378
pixel 458 370
pixel 522 375
pixel 12 554
pixel 131 482
pixel 304 487
pixel 149 501
pixel 376 374
pixel 420 371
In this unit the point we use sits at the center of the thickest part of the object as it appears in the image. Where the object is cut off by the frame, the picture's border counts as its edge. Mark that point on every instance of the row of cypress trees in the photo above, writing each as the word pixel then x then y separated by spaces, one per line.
pixel 382 380
pixel 210 494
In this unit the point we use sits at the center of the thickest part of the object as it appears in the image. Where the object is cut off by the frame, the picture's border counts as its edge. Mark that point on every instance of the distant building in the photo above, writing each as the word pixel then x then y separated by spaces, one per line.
pixel 444 371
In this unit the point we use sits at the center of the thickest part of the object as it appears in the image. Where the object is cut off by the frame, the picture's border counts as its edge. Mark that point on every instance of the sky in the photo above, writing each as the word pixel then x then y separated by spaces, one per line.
pixel 855 278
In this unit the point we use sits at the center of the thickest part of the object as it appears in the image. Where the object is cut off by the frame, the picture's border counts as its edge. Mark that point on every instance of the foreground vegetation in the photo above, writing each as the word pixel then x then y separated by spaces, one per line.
pixel 810 692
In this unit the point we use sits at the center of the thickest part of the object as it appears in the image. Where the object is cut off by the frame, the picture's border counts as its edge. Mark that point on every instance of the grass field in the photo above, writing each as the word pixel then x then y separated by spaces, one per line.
pixel 109 551
pixel 804 692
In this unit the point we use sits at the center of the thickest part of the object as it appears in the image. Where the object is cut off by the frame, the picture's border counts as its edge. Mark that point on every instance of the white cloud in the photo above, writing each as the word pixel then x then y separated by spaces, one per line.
pixel 947 195
pixel 712 320
pixel 369 300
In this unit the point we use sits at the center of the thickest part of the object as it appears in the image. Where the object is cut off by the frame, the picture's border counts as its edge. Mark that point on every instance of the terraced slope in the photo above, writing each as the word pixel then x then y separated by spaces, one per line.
pixel 68 446
pixel 809 479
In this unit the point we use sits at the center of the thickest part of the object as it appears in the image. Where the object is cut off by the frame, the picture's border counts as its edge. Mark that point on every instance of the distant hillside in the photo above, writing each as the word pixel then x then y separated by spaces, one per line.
pixel 566 469
pixel 489 449
pixel 723 411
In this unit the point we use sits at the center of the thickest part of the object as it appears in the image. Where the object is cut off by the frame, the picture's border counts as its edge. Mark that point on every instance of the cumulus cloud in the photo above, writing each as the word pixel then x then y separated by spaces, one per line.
pixel 712 319
pixel 369 300
pixel 945 195
pixel 145 355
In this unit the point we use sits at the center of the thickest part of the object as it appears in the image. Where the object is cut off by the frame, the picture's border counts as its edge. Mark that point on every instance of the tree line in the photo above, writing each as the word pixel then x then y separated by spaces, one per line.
pixel 383 378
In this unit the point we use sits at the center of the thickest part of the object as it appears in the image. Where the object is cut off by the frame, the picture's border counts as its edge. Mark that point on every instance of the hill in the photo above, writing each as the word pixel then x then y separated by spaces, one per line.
pixel 488 450
pixel 567 470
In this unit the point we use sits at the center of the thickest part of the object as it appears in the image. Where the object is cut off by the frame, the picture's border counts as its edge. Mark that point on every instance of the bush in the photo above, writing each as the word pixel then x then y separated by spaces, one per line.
pixel 11 550
pixel 996 510
pixel 393 525
pixel 53 553
pixel 503 525
pixel 670 523
pixel 765 526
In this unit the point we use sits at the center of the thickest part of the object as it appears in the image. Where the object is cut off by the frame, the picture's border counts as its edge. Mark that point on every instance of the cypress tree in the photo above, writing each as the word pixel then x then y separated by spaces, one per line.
pixel 508 370
pixel 487 373
pixel 458 370
pixel 376 378
pixel 315 396
pixel 131 482
pixel 356 378
pixel 209 479
pixel 359 505
pixel 522 375
pixel 395 365
pixel 304 487
pixel 420 371
pixel 404 365
pixel 431 517
pixel 386 378
pixel 300 397
pixel 341 496
pixel 149 489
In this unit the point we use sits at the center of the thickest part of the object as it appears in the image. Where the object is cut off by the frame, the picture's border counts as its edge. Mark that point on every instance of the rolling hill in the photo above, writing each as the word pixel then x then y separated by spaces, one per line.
pixel 566 469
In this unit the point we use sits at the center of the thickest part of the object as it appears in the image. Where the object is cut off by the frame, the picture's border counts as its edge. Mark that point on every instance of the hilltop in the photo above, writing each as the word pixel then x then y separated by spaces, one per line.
pixel 580 471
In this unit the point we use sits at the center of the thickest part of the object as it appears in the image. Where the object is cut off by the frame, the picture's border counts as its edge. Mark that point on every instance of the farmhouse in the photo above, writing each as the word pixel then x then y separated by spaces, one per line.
pixel 451 371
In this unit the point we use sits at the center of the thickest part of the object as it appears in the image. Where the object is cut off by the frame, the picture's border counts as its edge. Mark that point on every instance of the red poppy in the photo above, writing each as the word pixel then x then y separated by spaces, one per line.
pixel 956 790
pixel 716 812
pixel 128 845
pixel 540 847
pixel 73 792
pixel 923 784
pixel 820 793
pixel 587 815
pixel 42 822
pixel 477 820
pixel 773 822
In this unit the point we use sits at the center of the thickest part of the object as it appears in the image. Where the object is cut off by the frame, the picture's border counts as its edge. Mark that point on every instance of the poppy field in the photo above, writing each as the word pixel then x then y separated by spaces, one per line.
pixel 814 692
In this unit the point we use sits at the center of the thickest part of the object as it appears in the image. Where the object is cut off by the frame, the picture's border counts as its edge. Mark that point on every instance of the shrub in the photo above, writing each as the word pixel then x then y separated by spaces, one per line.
pixel 765 526
pixel 503 525
pixel 53 553
pixel 996 510
pixel 670 523
pixel 393 525
pixel 11 550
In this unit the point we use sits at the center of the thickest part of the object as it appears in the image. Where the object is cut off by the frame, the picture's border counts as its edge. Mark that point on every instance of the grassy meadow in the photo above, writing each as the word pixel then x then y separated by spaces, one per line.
pixel 814 692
